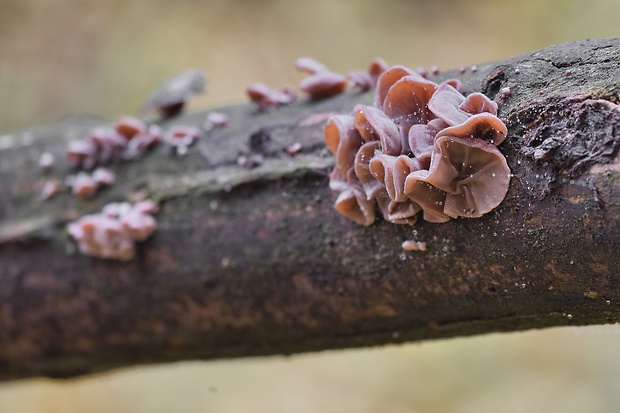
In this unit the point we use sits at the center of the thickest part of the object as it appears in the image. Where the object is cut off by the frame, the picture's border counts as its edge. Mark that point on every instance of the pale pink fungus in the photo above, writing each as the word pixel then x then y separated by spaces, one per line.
pixel 102 237
pixel 215 120
pixel 424 147
pixel 376 68
pixel 180 137
pixel 142 142
pixel 323 85
pixel 128 140
pixel 129 126
pixel 294 149
pixel 84 186
pixel 266 98
pixel 50 188
pixel 104 176
pixel 146 207
pixel 361 80
pixel 82 154
pixel 138 224
pixel 452 107
pixel 505 91
pixel 46 161
pixel 113 233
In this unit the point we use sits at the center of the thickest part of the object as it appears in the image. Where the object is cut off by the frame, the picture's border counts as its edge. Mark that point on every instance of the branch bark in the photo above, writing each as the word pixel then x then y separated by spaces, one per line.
pixel 255 261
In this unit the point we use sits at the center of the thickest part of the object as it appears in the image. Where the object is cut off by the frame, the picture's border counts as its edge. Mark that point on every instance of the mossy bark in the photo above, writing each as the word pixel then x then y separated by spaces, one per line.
pixel 255 261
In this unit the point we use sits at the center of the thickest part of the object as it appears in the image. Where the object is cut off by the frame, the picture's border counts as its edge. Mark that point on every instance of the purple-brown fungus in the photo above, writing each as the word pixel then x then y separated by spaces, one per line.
pixel 215 120
pixel 85 185
pixel 423 147
pixel 265 98
pixel 128 140
pixel 181 137
pixel 112 234
pixel 322 82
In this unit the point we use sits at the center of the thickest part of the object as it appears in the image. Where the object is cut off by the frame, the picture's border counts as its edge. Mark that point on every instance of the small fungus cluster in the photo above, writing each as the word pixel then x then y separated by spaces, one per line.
pixel 85 185
pixel 421 147
pixel 114 232
pixel 128 140
pixel 321 83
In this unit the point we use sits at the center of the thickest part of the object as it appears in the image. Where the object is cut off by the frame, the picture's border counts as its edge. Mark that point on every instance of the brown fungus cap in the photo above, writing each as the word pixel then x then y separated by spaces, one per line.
pixel 481 126
pixel 376 68
pixel 353 204
pixel 406 102
pixel 473 173
pixel 387 79
pixel 452 107
pixel 322 82
pixel 430 199
pixel 323 85
pixel 365 154
pixel 372 124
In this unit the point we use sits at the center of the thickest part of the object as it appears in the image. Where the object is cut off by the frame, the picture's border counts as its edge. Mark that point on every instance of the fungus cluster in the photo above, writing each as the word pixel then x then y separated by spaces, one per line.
pixel 264 98
pixel 129 139
pixel 113 233
pixel 85 185
pixel 321 83
pixel 422 147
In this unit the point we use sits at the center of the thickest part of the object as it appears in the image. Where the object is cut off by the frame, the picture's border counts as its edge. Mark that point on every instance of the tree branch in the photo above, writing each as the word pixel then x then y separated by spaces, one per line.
pixel 255 261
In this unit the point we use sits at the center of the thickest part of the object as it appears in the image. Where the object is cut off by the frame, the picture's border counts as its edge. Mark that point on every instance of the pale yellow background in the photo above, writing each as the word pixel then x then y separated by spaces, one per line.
pixel 61 57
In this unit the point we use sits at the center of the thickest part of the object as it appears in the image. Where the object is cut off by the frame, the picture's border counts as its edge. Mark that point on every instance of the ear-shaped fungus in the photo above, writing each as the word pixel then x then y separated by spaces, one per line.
pixel 453 108
pixel 387 79
pixel 322 83
pixel 373 124
pixel 406 102
pixel 423 147
pixel 473 173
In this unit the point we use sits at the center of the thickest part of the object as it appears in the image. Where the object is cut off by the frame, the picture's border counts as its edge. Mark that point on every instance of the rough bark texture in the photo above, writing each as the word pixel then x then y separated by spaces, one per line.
pixel 255 261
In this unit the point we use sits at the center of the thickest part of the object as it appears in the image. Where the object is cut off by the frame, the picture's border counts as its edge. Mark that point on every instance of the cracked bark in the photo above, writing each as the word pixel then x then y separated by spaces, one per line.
pixel 255 261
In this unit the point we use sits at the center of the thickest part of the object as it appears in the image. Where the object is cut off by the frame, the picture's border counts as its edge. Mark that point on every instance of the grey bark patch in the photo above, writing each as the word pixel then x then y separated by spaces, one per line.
pixel 561 139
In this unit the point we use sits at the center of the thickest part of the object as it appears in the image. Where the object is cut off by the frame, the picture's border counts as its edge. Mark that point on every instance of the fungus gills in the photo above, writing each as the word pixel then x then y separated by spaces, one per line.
pixel 422 147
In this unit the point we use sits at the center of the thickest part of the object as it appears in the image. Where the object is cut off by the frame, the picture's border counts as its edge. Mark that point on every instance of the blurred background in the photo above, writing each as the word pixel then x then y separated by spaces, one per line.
pixel 68 57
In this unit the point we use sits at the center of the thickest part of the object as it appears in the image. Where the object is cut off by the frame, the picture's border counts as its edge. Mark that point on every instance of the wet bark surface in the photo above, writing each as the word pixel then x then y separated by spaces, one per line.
pixel 254 260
